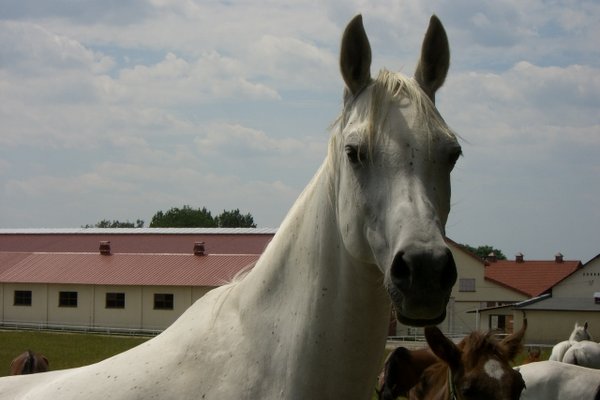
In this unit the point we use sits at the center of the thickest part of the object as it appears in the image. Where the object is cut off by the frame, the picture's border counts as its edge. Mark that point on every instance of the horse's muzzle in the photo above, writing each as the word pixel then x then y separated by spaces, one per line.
pixel 420 285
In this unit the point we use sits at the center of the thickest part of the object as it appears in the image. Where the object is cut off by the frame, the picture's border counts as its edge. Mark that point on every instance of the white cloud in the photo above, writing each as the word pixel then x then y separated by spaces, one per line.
pixel 29 49
pixel 175 81
pixel 118 109
pixel 524 100
pixel 240 140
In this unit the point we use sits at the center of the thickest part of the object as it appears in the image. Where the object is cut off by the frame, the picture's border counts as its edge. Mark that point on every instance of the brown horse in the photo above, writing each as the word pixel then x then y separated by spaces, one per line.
pixel 477 368
pixel 29 363
pixel 534 354
pixel 402 371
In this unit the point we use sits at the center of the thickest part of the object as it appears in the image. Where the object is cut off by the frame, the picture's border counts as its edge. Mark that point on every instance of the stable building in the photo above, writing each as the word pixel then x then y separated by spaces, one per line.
pixel 133 280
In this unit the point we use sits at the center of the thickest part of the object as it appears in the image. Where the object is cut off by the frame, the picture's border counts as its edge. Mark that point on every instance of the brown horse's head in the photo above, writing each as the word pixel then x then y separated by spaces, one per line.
pixel 477 368
pixel 29 363
pixel 402 371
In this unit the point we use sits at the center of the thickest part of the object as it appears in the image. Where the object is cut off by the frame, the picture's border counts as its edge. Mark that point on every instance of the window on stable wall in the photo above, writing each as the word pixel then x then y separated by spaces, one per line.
pixel 67 299
pixel 163 301
pixel 22 298
pixel 115 300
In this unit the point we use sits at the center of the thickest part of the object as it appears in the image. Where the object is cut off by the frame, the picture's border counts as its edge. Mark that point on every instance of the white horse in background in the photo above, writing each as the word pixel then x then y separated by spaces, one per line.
pixel 553 380
pixel 580 332
pixel 309 321
pixel 584 353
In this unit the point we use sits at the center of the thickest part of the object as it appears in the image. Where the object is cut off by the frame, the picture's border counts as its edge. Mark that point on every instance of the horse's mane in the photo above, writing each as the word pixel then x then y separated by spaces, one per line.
pixel 478 343
pixel 393 86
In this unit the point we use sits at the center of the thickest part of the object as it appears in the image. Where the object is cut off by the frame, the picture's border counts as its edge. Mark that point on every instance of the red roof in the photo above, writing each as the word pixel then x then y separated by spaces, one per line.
pixel 138 240
pixel 141 256
pixel 531 278
pixel 123 269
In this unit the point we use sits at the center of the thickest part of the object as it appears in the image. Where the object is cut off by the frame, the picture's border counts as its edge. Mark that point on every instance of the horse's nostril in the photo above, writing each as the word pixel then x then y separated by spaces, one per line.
pixel 449 272
pixel 400 271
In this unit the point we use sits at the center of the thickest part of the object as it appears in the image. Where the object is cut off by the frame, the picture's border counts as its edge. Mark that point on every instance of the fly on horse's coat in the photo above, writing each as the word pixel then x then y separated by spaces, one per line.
pixel 368 228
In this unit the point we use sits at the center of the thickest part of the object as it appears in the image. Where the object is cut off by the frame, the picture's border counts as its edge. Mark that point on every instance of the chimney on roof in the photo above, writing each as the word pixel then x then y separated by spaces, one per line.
pixel 558 258
pixel 519 257
pixel 199 249
pixel 105 247
pixel 491 257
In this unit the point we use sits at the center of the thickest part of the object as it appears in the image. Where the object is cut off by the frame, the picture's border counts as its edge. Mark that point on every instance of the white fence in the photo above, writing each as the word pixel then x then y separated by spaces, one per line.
pixel 16 325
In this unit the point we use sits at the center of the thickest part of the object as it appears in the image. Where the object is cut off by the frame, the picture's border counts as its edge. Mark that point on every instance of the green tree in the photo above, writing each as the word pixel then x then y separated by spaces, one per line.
pixel 484 251
pixel 185 217
pixel 105 223
pixel 234 219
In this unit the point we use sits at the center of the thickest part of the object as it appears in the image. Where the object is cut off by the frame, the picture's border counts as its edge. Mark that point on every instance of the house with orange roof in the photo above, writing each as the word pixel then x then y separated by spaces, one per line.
pixel 561 293
pixel 530 277
pixel 575 299
pixel 487 290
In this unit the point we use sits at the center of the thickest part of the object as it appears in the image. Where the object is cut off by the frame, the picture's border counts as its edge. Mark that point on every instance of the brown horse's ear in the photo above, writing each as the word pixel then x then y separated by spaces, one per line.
pixel 513 343
pixel 355 56
pixel 435 58
pixel 443 347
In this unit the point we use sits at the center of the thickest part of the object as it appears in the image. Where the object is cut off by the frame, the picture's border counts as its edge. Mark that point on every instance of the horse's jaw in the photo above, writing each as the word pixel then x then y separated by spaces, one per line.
pixel 420 310
pixel 420 322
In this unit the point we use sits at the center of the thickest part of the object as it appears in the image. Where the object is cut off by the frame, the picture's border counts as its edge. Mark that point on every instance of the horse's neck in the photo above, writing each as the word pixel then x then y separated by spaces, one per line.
pixel 307 256
pixel 333 308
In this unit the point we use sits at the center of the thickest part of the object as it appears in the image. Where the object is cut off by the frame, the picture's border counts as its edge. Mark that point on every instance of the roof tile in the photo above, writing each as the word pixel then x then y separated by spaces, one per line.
pixel 531 278
pixel 123 269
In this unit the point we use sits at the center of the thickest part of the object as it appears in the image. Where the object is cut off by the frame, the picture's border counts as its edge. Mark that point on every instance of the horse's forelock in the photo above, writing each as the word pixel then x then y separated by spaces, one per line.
pixel 477 345
pixel 386 88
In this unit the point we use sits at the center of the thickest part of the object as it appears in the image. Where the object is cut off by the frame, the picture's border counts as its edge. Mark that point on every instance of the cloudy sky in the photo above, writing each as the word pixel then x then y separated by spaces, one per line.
pixel 116 109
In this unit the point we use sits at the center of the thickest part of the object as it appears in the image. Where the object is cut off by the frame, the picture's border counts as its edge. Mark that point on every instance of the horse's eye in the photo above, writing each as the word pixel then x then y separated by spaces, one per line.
pixel 353 154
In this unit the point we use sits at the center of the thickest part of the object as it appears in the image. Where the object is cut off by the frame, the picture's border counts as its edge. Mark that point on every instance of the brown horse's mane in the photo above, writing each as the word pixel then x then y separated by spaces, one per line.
pixel 478 343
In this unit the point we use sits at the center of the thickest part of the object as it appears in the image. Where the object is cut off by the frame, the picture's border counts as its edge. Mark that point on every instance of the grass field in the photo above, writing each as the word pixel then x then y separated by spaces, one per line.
pixel 63 350
pixel 67 350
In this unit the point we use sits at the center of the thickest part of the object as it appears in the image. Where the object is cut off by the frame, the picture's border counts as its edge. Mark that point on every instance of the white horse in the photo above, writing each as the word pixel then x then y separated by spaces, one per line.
pixel 579 333
pixel 553 380
pixel 585 353
pixel 309 321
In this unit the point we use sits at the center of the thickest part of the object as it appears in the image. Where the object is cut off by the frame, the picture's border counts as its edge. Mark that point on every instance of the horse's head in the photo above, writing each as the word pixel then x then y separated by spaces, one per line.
pixel 402 371
pixel 479 367
pixel 580 332
pixel 393 154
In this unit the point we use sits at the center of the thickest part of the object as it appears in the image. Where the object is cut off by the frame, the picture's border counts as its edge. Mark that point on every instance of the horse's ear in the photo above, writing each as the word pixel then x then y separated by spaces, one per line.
pixel 513 343
pixel 435 58
pixel 355 56
pixel 443 347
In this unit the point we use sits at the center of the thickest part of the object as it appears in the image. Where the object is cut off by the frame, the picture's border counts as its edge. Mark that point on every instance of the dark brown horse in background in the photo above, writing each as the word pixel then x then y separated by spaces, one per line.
pixel 29 363
pixel 477 368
